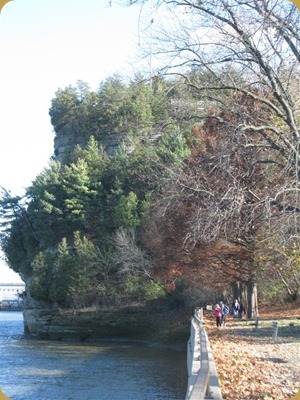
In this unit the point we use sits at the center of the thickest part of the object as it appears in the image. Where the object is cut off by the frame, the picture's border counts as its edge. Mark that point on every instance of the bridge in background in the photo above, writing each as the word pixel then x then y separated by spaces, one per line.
pixel 10 296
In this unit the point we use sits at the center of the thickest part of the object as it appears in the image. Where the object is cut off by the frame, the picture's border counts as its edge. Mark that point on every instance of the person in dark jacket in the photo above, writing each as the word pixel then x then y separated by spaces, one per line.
pixel 235 309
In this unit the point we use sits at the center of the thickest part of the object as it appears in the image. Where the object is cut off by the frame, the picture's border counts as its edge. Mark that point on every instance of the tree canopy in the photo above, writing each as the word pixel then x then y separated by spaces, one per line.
pixel 241 186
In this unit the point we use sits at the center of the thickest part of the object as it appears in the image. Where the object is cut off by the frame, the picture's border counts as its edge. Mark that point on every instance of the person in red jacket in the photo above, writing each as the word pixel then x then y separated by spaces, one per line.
pixel 218 315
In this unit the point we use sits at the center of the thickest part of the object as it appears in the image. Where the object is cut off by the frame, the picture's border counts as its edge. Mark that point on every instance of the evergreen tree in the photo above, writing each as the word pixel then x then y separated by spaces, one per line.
pixel 126 212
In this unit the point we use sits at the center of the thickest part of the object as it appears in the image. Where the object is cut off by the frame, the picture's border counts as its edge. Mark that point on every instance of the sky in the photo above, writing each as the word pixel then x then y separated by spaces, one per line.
pixel 46 45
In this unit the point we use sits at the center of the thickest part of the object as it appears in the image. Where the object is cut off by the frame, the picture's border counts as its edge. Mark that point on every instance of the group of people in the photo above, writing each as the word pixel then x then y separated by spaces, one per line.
pixel 222 310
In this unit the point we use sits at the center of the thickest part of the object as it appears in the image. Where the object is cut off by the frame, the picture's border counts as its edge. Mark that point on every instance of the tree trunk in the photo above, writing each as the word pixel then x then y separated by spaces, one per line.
pixel 236 290
pixel 252 303
pixel 244 297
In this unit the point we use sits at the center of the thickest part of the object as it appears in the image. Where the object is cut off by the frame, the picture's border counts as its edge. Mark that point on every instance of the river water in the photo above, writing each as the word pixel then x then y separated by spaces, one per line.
pixel 45 370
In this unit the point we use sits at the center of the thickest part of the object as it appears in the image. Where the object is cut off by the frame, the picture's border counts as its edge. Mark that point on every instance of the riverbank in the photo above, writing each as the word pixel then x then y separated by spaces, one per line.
pixel 163 326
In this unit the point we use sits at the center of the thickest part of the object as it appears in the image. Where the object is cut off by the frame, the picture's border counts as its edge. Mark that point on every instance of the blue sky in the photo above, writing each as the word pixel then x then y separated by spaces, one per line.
pixel 46 45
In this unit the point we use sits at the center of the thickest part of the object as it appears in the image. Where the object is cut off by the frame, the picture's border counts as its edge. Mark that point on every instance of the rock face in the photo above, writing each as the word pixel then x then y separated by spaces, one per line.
pixel 130 323
pixel 37 321
pixel 66 141
pixel 65 144
pixel 36 314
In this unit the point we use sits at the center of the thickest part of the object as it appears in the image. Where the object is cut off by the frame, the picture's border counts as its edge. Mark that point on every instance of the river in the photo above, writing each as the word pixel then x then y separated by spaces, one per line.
pixel 45 370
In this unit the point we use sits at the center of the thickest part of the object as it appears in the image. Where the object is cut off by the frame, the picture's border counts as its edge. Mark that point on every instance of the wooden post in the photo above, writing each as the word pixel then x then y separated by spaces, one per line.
pixel 274 330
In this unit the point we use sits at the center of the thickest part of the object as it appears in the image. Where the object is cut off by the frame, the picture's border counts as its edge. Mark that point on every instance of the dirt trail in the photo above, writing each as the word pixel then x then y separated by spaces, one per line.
pixel 250 364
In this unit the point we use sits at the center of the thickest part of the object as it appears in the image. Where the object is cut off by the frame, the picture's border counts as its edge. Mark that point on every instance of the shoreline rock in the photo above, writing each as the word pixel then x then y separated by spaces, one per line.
pixel 167 328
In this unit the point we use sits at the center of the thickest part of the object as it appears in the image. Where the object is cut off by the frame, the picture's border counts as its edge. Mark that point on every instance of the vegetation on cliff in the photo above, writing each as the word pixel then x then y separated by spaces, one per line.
pixel 178 185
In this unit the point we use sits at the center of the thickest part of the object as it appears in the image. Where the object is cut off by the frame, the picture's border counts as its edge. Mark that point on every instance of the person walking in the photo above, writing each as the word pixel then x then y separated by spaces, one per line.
pixel 235 309
pixel 218 315
pixel 225 311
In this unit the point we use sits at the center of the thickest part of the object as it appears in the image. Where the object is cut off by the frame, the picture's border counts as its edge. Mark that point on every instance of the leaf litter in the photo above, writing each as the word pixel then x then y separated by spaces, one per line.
pixel 250 364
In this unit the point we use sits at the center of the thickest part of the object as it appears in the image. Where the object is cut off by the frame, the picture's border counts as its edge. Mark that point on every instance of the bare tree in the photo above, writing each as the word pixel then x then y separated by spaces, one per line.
pixel 235 46
pixel 240 59
pixel 130 258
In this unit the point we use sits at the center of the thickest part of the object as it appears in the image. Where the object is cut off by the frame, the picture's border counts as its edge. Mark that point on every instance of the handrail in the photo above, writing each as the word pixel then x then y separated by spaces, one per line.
pixel 202 375
pixel 201 386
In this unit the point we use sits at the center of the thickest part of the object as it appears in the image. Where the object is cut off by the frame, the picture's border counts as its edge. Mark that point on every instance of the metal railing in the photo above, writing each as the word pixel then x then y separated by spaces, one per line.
pixel 203 382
